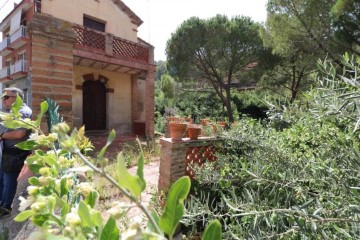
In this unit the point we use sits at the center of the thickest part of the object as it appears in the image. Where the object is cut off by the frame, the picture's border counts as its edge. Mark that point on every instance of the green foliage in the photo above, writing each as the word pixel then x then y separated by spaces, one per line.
pixel 296 34
pixel 216 53
pixel 53 116
pixel 213 231
pixel 53 193
pixel 174 208
pixel 297 182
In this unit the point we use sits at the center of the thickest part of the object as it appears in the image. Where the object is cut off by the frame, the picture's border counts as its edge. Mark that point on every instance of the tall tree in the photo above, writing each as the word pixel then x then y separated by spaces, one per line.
pixel 346 22
pixel 218 51
pixel 300 31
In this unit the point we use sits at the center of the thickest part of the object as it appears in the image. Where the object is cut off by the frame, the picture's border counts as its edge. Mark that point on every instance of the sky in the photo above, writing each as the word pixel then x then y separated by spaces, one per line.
pixel 162 17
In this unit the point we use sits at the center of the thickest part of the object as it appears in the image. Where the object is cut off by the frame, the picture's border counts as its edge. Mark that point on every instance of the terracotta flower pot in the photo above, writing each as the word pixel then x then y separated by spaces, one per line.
pixel 177 130
pixel 194 132
pixel 222 124
pixel 205 121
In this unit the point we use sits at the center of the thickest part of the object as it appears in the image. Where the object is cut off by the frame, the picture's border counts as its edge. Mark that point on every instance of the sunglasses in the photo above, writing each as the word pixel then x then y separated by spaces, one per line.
pixel 6 97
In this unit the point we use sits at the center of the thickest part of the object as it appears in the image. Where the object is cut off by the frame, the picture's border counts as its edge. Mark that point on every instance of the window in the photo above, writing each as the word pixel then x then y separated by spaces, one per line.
pixel 97 25
pixel 22 56
pixel 8 63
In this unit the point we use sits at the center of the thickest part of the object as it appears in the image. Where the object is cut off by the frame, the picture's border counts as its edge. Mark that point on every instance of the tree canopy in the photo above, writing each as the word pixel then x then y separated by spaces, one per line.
pixel 218 52
pixel 301 32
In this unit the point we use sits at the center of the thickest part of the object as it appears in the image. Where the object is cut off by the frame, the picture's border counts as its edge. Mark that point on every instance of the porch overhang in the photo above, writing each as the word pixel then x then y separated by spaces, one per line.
pixel 104 62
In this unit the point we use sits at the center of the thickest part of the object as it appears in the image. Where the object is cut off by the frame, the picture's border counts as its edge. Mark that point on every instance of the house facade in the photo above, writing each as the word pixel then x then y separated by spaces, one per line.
pixel 85 55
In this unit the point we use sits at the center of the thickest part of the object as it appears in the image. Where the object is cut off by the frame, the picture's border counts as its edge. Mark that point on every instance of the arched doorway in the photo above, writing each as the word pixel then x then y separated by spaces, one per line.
pixel 94 105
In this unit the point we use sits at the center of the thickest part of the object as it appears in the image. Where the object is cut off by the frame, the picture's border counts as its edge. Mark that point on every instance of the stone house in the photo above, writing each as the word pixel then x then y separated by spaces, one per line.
pixel 85 55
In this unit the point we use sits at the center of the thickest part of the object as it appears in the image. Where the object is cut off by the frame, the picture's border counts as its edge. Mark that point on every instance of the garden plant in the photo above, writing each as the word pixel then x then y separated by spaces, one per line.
pixel 294 176
pixel 63 208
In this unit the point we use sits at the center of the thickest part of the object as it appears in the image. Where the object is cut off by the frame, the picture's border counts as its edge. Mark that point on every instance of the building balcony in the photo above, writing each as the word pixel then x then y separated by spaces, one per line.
pixel 14 41
pixel 4 47
pixel 4 73
pixel 106 46
pixel 18 70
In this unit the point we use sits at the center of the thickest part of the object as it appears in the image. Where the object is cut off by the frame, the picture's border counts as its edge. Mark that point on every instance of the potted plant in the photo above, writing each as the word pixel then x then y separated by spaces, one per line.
pixel 194 131
pixel 177 128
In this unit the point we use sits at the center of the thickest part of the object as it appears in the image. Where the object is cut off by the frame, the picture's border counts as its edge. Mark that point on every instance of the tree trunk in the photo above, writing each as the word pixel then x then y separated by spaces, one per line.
pixel 228 105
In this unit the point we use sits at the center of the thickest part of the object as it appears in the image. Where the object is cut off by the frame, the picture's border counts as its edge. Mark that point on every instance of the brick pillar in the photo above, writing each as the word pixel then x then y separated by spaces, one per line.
pixel 150 101
pixel 134 97
pixel 173 158
pixel 52 63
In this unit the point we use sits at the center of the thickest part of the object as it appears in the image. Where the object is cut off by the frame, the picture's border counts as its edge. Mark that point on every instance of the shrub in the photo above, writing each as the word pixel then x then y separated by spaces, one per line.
pixel 294 182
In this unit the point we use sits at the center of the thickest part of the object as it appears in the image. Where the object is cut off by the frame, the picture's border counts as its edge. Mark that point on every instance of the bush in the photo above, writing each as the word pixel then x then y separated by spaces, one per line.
pixel 294 182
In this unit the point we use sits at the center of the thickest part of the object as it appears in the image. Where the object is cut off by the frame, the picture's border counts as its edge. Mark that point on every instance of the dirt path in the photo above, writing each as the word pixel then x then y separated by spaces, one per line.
pixel 151 175
pixel 20 231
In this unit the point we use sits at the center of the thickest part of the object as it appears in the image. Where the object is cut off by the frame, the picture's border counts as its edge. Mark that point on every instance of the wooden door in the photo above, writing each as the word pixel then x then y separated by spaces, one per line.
pixel 94 105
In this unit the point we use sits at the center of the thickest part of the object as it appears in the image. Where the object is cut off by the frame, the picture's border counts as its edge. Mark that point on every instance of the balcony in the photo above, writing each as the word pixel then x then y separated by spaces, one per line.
pixel 4 47
pixel 4 73
pixel 108 45
pixel 14 41
pixel 18 70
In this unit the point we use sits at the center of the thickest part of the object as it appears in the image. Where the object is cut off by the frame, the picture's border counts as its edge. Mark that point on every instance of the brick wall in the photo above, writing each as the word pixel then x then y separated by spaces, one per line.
pixel 175 156
pixel 51 63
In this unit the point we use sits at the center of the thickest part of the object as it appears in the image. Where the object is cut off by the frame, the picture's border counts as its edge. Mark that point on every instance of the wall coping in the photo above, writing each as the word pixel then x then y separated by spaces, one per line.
pixel 187 142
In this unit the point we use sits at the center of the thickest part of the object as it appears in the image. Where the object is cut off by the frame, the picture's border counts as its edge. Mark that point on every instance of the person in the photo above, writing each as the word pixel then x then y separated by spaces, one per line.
pixel 13 158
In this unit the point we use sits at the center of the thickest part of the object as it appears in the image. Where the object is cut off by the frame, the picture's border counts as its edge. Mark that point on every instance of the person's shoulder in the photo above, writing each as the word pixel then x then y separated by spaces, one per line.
pixel 25 111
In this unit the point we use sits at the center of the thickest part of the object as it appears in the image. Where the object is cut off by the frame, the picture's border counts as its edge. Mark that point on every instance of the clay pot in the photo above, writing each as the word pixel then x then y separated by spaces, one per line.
pixel 222 124
pixel 177 130
pixel 194 132
pixel 204 121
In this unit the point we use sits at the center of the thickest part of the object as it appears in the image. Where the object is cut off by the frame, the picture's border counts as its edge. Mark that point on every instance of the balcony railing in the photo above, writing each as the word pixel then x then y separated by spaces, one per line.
pixel 108 44
pixel 4 43
pixel 14 41
pixel 19 66
pixel 4 72
pixel 20 32
pixel 18 70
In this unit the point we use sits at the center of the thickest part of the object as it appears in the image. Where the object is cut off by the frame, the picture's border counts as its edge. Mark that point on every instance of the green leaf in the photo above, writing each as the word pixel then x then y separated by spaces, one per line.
pixel 35 167
pixel 174 208
pixel 110 231
pixel 97 219
pixel 40 219
pixel 33 181
pixel 91 198
pixel 24 215
pixel 63 187
pixel 213 231
pixel 17 105
pixel 63 205
pixel 16 124
pixel 43 109
pixel 134 184
pixel 27 145
pixel 155 216
pixel 110 139
pixel 140 165
pixel 84 214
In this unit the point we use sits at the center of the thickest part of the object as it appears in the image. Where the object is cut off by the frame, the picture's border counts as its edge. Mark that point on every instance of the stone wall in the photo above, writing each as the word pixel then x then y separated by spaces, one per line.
pixel 176 155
